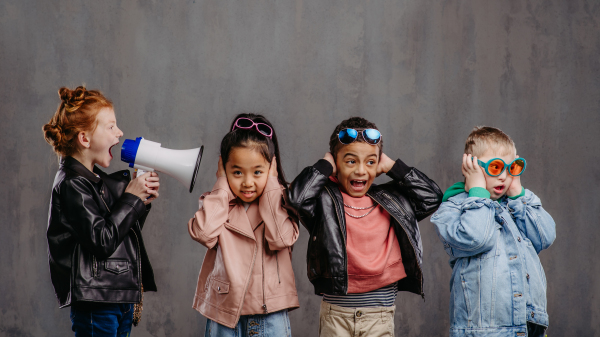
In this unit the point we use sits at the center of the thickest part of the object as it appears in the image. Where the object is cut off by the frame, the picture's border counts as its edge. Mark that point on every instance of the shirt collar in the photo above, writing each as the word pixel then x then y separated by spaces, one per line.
pixel 74 165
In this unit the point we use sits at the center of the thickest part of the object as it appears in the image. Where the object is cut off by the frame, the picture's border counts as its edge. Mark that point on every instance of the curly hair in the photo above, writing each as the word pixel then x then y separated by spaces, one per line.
pixel 77 112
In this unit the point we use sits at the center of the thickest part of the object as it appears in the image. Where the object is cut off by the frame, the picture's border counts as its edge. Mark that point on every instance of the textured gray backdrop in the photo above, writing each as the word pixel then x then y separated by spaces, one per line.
pixel 425 72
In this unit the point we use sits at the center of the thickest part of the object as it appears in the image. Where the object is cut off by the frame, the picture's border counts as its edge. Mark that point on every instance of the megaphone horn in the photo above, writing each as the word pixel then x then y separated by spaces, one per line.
pixel 147 155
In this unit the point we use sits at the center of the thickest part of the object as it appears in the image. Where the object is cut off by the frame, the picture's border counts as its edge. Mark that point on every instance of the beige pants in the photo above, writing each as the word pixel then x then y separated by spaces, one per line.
pixel 336 321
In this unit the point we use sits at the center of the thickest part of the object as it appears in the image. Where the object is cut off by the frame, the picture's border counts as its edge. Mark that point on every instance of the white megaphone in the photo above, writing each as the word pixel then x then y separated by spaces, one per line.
pixel 146 155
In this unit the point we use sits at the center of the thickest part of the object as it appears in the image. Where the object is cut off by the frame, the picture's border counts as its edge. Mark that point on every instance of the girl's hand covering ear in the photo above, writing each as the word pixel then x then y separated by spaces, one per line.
pixel 220 169
pixel 329 158
pixel 385 164
pixel 474 174
pixel 273 168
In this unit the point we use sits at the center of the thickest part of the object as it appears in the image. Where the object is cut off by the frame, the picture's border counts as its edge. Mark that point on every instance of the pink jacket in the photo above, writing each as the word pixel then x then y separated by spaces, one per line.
pixel 248 266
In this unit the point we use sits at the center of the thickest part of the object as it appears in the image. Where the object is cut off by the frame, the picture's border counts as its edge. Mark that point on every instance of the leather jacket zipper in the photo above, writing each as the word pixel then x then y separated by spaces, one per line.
pixel 406 232
pixel 343 234
pixel 94 267
pixel 95 262
pixel 139 256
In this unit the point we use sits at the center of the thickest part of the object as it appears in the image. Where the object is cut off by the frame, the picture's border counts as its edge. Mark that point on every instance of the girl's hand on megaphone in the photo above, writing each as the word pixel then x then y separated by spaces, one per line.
pixel 144 187
pixel 153 184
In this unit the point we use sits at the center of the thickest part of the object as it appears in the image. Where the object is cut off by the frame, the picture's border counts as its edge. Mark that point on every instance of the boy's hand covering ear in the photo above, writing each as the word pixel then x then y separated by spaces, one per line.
pixel 515 187
pixel 220 169
pixel 385 164
pixel 273 168
pixel 329 158
pixel 473 173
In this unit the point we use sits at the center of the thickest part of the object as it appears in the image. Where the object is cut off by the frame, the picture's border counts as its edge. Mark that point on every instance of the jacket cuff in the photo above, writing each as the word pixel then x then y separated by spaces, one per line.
pixel 324 167
pixel 399 170
pixel 135 202
pixel 479 192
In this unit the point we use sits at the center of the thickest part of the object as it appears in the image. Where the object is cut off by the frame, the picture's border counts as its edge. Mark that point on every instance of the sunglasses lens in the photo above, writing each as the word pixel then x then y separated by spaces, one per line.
pixel 244 123
pixel 495 167
pixel 372 136
pixel 264 129
pixel 347 136
pixel 517 167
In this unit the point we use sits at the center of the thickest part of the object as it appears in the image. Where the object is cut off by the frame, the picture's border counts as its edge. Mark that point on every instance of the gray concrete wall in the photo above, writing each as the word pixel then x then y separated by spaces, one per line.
pixel 425 72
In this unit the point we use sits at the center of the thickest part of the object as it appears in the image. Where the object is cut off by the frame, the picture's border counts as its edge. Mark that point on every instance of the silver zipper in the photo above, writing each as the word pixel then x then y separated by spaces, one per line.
pixel 406 232
pixel 139 258
pixel 262 255
pixel 94 267
pixel 95 271
pixel 277 261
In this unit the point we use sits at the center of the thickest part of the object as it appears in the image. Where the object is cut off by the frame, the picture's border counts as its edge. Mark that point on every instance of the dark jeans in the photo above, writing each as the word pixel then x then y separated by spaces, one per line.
pixel 535 330
pixel 101 319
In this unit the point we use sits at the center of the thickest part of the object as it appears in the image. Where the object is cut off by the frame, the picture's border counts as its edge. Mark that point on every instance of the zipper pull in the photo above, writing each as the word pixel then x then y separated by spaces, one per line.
pixel 265 308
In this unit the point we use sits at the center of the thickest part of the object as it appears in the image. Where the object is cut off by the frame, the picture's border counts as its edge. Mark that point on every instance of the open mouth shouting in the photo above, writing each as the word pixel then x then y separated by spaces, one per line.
pixel 110 150
pixel 358 185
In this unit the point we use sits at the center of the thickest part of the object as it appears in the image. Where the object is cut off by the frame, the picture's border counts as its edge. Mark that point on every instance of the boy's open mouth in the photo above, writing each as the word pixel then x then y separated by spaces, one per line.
pixel 358 185
pixel 499 189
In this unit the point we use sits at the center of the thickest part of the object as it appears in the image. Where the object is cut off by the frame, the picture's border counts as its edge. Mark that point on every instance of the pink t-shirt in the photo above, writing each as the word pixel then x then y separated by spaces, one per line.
pixel 374 257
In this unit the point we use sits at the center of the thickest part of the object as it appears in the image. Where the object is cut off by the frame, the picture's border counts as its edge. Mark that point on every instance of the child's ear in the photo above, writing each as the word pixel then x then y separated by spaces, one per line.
pixel 83 139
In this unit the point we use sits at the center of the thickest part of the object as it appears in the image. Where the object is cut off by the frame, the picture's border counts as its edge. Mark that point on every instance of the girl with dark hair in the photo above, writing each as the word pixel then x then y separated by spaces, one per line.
pixel 246 283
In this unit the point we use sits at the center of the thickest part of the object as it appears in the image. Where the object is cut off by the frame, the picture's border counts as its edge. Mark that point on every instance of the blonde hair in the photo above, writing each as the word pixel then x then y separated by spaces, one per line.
pixel 485 138
pixel 77 112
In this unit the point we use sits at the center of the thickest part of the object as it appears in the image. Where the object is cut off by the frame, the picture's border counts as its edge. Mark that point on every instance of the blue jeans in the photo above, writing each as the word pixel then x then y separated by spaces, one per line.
pixel 276 324
pixel 102 319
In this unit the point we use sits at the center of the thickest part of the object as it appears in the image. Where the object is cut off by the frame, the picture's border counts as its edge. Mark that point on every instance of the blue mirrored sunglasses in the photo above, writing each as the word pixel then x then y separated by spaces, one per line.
pixel 348 136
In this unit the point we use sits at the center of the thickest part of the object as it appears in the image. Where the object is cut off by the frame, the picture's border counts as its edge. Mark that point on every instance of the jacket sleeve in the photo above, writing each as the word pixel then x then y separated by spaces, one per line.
pixel 533 221
pixel 423 193
pixel 306 189
pixel 280 230
pixel 467 229
pixel 99 235
pixel 208 222
pixel 142 219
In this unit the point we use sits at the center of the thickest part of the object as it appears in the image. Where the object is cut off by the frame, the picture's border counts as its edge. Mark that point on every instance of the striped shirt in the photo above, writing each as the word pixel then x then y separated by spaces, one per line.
pixel 382 297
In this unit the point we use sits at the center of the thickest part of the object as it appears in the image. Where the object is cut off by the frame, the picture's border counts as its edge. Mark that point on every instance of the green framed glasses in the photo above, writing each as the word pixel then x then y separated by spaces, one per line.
pixel 495 166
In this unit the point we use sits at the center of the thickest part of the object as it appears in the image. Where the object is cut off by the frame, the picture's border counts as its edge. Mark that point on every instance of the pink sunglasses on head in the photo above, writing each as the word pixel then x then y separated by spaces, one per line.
pixel 247 123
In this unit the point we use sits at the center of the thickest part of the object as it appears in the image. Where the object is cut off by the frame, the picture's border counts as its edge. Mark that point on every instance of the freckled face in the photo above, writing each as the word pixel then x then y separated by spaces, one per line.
pixel 497 186
pixel 247 172
pixel 356 165
pixel 105 136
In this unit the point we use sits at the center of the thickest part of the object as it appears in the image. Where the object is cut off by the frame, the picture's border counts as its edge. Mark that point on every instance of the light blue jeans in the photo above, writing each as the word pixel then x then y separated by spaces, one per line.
pixel 276 324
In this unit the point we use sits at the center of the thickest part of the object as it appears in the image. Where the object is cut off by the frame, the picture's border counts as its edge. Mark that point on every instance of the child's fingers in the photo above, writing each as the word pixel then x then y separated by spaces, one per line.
pixel 152 185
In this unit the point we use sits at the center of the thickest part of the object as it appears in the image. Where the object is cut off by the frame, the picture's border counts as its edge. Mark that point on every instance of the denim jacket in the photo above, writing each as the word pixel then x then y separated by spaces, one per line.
pixel 498 283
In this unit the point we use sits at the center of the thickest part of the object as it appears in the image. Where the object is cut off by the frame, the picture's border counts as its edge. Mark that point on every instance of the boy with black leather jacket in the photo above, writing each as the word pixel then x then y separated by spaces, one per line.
pixel 365 243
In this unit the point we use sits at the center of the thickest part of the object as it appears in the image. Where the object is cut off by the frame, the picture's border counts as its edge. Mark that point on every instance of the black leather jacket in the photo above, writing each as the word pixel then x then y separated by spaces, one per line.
pixel 95 244
pixel 409 198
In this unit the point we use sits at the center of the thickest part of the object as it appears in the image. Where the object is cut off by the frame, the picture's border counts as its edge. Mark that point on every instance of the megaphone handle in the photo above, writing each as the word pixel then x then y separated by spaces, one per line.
pixel 139 172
